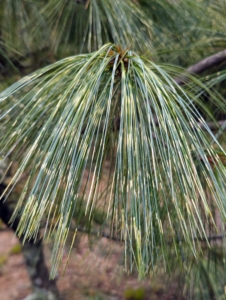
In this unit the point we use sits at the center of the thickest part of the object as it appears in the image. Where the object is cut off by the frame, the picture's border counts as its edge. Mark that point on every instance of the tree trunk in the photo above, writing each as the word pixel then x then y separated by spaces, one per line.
pixel 44 289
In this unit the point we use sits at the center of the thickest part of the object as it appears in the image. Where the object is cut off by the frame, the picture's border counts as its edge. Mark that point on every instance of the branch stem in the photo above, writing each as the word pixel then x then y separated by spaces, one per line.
pixel 203 65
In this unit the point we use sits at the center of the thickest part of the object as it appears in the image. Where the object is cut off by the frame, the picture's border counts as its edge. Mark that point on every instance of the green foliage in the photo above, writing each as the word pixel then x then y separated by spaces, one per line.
pixel 3 260
pixel 119 104
pixel 134 294
pixel 15 24
pixel 16 249
pixel 97 22
pixel 204 277
pixel 60 121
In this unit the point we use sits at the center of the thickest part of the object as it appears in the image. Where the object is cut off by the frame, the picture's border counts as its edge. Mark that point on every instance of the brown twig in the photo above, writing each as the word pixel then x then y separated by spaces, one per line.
pixel 103 234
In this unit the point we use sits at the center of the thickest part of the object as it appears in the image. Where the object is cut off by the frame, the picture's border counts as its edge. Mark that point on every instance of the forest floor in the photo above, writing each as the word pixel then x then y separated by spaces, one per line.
pixel 93 274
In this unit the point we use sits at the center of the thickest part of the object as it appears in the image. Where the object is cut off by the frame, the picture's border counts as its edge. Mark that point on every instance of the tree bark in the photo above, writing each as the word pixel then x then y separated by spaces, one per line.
pixel 34 258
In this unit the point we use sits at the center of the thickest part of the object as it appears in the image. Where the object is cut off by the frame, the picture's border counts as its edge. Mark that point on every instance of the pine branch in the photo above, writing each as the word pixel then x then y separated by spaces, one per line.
pixel 207 62
pixel 203 65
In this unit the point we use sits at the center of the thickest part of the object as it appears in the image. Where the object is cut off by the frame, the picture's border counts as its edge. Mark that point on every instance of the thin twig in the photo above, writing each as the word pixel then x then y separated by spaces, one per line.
pixel 212 125
pixel 117 239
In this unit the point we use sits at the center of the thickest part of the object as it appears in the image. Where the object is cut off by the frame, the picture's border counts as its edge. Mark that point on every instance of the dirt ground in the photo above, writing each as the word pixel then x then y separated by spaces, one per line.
pixel 91 274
